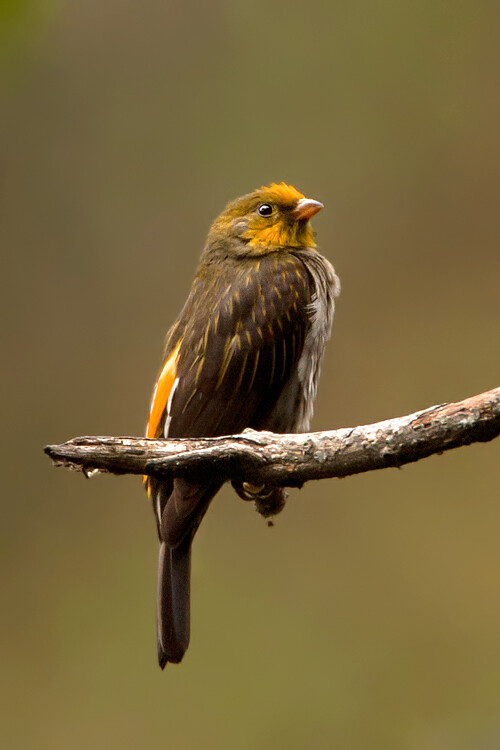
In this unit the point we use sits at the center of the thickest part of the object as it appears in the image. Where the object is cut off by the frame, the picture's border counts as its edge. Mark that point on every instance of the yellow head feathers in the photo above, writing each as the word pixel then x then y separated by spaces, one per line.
pixel 272 217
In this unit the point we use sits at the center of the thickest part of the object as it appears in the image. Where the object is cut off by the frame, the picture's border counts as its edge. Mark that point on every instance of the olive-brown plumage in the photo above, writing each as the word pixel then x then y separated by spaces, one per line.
pixel 244 352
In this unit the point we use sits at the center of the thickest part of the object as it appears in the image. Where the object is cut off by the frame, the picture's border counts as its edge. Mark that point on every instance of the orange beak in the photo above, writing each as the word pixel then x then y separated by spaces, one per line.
pixel 306 208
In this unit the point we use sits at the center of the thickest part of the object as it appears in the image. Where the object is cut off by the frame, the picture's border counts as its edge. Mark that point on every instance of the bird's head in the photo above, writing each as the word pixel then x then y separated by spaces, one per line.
pixel 268 219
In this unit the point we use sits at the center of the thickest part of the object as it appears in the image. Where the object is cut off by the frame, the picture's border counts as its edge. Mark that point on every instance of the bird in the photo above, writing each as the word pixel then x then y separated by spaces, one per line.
pixel 244 352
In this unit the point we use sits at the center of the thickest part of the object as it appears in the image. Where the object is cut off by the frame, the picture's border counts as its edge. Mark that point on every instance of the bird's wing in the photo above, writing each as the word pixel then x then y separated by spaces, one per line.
pixel 233 349
pixel 240 345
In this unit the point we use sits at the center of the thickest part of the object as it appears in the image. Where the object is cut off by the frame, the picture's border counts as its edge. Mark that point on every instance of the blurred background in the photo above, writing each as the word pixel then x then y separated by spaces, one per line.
pixel 369 616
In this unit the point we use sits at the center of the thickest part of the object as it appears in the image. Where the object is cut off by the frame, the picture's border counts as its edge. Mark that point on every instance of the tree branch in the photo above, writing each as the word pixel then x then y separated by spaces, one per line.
pixel 291 460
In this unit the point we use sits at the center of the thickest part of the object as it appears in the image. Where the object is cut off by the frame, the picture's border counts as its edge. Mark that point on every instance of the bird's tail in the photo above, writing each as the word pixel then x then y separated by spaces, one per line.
pixel 181 513
pixel 174 574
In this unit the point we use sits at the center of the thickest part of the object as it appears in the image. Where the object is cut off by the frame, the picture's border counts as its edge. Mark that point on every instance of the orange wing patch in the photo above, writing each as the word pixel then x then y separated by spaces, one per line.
pixel 161 393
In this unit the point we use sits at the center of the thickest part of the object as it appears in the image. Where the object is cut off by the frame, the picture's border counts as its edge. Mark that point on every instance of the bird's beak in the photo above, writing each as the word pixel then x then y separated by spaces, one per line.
pixel 306 208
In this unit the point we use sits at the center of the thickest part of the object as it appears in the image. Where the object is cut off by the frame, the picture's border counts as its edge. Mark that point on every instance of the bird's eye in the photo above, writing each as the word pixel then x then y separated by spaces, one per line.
pixel 265 209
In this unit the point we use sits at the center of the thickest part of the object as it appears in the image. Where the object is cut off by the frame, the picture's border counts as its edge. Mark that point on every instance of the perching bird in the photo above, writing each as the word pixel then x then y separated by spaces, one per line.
pixel 245 351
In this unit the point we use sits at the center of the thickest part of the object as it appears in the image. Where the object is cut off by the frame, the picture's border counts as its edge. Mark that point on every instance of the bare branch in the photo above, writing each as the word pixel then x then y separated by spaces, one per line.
pixel 291 460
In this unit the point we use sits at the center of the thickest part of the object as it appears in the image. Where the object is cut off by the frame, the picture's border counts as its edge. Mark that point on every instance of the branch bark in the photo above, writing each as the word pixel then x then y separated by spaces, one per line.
pixel 291 460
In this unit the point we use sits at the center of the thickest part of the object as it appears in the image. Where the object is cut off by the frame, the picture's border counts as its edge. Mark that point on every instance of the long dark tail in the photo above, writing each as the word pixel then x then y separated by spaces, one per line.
pixel 182 506
pixel 174 574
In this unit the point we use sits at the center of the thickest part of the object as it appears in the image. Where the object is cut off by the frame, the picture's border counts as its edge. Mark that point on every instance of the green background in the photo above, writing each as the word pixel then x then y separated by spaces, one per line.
pixel 369 616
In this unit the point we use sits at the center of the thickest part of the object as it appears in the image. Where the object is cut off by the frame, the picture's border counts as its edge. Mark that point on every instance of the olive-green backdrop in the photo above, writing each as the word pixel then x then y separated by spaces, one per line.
pixel 369 616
